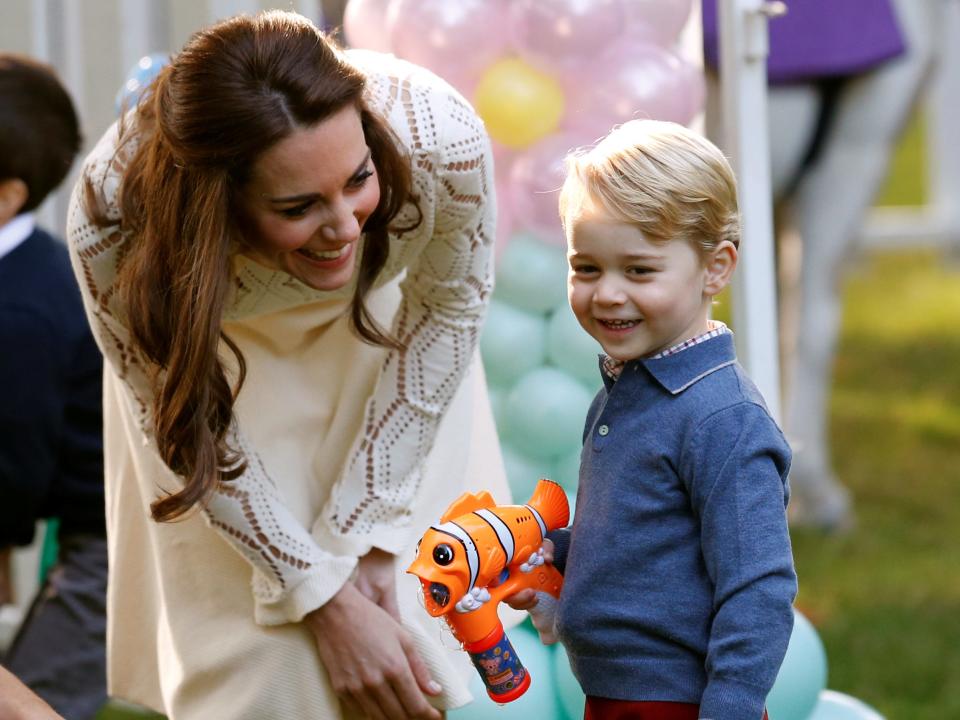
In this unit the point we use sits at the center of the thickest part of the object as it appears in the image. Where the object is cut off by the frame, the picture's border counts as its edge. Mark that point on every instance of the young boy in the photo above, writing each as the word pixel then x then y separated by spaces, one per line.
pixel 679 576
pixel 51 448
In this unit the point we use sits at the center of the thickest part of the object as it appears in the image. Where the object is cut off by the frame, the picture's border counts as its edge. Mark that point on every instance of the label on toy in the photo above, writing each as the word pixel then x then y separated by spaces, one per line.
pixel 500 668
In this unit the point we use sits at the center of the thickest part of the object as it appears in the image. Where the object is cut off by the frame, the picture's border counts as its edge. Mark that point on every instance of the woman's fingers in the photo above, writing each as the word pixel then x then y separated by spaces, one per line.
pixel 371 659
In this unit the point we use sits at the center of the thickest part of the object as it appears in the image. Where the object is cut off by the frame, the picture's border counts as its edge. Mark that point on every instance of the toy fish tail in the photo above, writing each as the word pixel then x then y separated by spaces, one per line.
pixel 549 502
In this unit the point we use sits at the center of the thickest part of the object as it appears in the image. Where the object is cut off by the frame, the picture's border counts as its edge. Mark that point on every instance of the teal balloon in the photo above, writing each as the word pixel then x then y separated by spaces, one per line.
pixel 532 275
pixel 523 473
pixel 572 502
pixel 498 400
pixel 571 697
pixel 802 676
pixel 540 699
pixel 545 413
pixel 833 705
pixel 566 470
pixel 513 342
pixel 571 348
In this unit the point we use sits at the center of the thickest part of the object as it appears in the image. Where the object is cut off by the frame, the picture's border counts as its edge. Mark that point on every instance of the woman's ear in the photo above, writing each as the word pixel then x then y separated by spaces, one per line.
pixel 720 264
pixel 13 196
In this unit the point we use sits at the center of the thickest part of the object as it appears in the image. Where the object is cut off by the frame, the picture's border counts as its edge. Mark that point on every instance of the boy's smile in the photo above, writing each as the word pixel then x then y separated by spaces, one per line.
pixel 635 296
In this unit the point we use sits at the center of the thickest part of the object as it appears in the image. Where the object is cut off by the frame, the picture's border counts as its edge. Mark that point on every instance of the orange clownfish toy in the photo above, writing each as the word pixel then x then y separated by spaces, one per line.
pixel 479 554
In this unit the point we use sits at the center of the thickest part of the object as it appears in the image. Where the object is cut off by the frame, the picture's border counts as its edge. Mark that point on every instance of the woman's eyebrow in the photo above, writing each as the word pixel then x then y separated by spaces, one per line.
pixel 314 196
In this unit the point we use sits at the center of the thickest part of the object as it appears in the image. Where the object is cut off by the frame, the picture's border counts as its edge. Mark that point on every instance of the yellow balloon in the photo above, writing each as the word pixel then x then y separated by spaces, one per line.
pixel 518 103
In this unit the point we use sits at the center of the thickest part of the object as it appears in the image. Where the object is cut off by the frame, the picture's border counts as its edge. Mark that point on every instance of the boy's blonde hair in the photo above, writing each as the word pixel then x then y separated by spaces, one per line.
pixel 669 181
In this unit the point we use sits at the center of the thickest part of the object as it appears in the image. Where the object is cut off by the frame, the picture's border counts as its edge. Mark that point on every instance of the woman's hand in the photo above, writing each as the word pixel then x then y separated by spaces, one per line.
pixel 377 580
pixel 372 662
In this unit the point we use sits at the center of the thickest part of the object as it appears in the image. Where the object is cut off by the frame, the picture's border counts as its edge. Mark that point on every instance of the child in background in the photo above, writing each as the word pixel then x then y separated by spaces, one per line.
pixel 679 577
pixel 51 446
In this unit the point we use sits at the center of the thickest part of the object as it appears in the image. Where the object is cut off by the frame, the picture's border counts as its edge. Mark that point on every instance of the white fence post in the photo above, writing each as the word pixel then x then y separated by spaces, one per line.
pixel 743 88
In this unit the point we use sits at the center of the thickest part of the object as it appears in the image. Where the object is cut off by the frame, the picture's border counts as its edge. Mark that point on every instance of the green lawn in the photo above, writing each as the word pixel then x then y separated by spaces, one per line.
pixel 886 598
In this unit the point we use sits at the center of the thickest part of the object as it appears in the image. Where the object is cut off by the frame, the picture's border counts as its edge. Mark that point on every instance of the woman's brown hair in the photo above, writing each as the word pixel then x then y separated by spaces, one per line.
pixel 235 89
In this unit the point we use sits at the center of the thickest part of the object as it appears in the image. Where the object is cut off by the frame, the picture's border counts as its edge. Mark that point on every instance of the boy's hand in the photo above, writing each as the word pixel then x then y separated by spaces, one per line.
pixel 541 606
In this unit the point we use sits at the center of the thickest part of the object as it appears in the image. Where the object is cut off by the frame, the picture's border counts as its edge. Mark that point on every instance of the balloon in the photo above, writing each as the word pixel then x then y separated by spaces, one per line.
pixel 545 413
pixel 498 399
pixel 837 706
pixel 539 701
pixel 566 470
pixel 518 103
pixel 562 34
pixel 456 40
pixel 523 472
pixel 138 79
pixel 572 699
pixel 643 81
pixel 513 342
pixel 571 348
pixel 532 275
pixel 656 21
pixel 365 24
pixel 802 675
pixel 535 181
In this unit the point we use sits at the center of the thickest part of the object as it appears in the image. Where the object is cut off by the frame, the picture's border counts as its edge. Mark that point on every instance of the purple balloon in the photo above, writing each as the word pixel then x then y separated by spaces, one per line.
pixel 657 21
pixel 642 81
pixel 365 24
pixel 558 35
pixel 535 181
pixel 457 40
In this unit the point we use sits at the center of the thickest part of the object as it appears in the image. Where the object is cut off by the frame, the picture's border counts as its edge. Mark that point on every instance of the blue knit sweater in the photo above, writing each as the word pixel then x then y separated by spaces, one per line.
pixel 679 576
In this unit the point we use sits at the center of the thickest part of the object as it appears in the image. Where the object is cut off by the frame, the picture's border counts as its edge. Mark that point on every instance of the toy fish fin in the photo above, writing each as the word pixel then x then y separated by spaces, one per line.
pixel 467 503
pixel 550 500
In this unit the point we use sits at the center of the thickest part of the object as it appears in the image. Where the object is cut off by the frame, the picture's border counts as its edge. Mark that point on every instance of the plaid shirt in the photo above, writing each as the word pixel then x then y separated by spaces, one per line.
pixel 613 367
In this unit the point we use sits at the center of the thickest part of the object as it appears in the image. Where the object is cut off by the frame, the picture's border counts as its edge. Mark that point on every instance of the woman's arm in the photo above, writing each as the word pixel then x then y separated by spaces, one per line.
pixel 445 296
pixel 292 573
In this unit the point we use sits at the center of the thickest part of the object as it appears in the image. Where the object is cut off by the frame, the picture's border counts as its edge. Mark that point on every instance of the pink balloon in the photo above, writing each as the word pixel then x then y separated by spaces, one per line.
pixel 642 81
pixel 657 21
pixel 457 40
pixel 365 24
pixel 557 35
pixel 535 181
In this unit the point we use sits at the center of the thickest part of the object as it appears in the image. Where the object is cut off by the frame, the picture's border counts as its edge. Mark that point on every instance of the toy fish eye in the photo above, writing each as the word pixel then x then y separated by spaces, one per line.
pixel 443 554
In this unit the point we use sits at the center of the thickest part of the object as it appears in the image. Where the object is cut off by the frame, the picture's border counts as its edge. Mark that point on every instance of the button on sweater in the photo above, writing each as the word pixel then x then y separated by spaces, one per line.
pixel 679 576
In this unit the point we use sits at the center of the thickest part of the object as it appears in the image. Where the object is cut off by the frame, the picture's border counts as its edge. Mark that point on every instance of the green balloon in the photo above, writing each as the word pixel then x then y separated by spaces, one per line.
pixel 523 473
pixel 532 275
pixel 545 413
pixel 833 705
pixel 802 676
pixel 540 699
pixel 566 470
pixel 571 697
pixel 513 342
pixel 571 348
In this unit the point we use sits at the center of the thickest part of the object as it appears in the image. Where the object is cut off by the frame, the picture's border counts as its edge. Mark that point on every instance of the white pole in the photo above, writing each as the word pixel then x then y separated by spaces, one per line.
pixel 743 84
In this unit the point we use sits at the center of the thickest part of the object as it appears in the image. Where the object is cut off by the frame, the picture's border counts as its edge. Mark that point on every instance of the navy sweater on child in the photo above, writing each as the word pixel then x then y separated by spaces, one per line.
pixel 51 436
pixel 679 576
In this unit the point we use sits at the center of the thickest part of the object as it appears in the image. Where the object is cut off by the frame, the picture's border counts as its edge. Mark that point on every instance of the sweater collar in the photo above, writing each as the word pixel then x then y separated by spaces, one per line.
pixel 679 371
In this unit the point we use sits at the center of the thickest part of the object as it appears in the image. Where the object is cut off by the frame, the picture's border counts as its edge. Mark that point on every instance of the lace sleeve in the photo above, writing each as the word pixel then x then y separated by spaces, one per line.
pixel 445 295
pixel 292 574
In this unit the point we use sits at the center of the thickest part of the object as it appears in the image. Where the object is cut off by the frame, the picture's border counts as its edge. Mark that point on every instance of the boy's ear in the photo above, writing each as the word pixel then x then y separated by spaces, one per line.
pixel 720 264
pixel 13 196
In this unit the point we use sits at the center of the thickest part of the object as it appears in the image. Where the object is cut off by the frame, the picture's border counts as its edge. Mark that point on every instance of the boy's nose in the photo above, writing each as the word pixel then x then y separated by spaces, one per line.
pixel 608 292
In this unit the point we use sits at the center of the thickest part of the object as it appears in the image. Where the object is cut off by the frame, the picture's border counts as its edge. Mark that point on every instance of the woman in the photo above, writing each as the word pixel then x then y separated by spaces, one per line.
pixel 286 258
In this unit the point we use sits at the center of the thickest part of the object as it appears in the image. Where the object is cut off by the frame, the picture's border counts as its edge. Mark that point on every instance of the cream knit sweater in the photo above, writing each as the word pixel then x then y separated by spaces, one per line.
pixel 349 447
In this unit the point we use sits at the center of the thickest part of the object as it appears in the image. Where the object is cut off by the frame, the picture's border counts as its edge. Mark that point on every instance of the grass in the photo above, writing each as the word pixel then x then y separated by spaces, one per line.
pixel 886 597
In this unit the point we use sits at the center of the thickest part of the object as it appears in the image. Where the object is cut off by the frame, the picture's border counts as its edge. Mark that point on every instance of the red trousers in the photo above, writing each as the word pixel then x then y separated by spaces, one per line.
pixel 607 709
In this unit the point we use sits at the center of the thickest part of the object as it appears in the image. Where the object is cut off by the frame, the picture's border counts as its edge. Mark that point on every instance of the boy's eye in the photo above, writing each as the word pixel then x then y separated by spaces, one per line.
pixel 584 269
pixel 638 270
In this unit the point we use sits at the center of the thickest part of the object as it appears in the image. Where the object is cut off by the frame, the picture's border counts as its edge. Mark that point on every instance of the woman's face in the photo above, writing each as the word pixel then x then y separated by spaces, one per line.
pixel 308 198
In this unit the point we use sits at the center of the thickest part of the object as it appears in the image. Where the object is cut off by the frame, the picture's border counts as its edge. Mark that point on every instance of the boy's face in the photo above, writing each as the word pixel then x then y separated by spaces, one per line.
pixel 635 296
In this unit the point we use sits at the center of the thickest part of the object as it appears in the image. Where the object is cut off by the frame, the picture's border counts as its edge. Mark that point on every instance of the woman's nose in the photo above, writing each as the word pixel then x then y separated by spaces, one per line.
pixel 343 226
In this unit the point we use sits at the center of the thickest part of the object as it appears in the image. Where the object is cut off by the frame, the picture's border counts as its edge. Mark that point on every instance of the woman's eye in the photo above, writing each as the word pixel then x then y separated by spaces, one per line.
pixel 361 178
pixel 295 212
